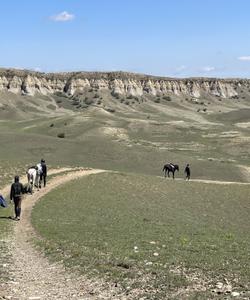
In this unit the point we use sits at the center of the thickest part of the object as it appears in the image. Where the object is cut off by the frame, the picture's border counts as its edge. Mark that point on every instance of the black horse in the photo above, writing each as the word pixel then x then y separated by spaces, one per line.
pixel 170 168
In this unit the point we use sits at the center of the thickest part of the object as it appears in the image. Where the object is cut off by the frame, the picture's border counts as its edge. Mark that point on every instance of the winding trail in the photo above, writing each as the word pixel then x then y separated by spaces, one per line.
pixel 32 275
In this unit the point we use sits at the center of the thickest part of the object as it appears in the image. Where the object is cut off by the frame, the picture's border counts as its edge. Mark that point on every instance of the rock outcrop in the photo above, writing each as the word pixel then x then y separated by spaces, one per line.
pixel 120 83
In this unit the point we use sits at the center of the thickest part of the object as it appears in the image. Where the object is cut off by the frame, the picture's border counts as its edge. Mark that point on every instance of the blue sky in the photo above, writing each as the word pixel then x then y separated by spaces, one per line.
pixel 177 38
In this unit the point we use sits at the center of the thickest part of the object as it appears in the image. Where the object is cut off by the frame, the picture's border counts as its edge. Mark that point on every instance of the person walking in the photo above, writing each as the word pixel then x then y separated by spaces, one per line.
pixel 16 192
pixel 43 175
pixel 187 171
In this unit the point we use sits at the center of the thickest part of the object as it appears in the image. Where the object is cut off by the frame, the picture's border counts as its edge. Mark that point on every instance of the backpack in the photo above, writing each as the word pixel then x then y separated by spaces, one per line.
pixel 17 187
pixel 3 202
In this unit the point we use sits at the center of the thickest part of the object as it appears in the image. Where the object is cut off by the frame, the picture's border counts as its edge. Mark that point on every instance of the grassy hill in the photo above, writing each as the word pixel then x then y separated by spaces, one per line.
pixel 118 226
pixel 136 136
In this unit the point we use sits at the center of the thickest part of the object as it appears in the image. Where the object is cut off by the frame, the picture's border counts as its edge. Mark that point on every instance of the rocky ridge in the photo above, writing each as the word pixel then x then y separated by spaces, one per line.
pixel 120 83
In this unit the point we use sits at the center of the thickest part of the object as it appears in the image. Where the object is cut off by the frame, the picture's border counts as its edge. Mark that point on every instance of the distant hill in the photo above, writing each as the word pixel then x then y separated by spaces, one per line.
pixel 24 92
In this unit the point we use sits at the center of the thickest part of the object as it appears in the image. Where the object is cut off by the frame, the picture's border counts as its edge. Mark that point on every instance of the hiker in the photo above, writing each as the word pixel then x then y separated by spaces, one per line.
pixel 187 171
pixel 43 175
pixel 16 192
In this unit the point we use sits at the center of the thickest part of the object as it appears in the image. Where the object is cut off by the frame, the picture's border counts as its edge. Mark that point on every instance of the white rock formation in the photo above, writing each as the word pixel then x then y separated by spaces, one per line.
pixel 30 83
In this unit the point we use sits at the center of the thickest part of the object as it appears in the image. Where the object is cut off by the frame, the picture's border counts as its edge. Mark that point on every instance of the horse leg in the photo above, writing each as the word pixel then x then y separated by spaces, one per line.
pixel 173 174
pixel 168 173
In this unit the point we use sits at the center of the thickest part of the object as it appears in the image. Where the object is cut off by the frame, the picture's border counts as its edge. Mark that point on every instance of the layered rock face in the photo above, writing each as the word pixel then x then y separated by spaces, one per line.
pixel 121 83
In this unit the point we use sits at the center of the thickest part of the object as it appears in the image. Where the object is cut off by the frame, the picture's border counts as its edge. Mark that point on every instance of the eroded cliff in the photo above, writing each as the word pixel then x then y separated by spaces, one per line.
pixel 121 83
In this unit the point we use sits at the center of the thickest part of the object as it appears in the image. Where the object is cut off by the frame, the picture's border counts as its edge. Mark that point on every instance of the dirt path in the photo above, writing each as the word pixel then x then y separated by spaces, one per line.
pixel 32 276
pixel 218 182
pixel 207 181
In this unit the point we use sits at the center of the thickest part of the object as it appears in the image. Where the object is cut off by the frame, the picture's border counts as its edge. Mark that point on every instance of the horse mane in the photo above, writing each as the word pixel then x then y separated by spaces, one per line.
pixel 33 167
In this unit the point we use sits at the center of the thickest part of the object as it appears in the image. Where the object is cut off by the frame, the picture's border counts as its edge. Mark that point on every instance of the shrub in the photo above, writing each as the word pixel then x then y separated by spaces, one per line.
pixel 61 135
pixel 51 125
pixel 60 94
pixel 158 100
pixel 116 95
pixel 167 98
pixel 89 101
pixel 96 96
pixel 75 102
pixel 111 110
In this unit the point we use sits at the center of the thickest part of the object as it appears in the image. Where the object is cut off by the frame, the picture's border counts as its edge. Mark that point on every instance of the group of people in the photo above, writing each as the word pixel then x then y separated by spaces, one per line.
pixel 17 188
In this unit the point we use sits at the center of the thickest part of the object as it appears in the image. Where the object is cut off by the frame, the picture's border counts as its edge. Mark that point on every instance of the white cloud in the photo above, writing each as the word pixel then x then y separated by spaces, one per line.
pixel 63 17
pixel 37 69
pixel 244 58
pixel 181 68
pixel 208 69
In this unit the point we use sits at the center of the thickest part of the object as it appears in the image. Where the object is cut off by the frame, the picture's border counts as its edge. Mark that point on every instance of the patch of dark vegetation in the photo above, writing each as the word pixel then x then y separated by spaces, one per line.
pixel 75 102
pixel 88 101
pixel 61 135
pixel 96 96
pixel 61 94
pixel 51 125
pixel 168 98
pixel 115 95
pixel 111 110
pixel 157 100
pixel 123 265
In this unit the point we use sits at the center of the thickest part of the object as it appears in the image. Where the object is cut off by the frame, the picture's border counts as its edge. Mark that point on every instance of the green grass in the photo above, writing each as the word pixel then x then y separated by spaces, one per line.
pixel 150 141
pixel 94 224
pixel 145 151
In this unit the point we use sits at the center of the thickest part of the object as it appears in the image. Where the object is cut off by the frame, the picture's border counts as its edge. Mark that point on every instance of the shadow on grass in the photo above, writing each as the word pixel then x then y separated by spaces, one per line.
pixel 7 218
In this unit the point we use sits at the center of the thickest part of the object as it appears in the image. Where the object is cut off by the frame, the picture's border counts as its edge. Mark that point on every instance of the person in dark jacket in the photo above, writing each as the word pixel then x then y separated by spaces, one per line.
pixel 187 171
pixel 16 192
pixel 43 175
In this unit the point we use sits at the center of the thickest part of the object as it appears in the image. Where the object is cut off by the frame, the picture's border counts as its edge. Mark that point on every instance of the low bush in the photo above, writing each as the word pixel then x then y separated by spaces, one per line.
pixel 61 135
